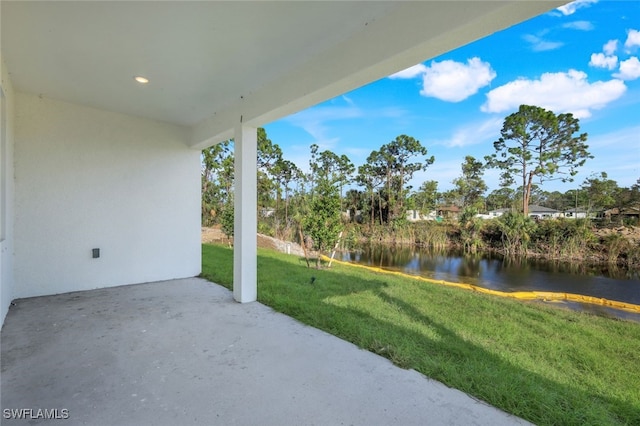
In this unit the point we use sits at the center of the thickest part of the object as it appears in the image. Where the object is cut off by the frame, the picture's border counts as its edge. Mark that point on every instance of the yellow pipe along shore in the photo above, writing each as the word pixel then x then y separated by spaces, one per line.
pixel 546 296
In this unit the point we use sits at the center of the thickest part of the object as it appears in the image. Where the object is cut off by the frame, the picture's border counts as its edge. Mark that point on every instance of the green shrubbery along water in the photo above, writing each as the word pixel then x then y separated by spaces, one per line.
pixel 512 235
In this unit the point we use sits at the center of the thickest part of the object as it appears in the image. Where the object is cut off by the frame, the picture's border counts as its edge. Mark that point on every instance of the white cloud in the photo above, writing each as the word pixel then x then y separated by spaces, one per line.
pixel 348 100
pixel 626 137
pixel 610 47
pixel 315 121
pixel 322 122
pixel 600 60
pixel 569 9
pixel 629 69
pixel 410 72
pixel 475 133
pixel 538 44
pixel 633 40
pixel 559 92
pixel 579 25
pixel 454 81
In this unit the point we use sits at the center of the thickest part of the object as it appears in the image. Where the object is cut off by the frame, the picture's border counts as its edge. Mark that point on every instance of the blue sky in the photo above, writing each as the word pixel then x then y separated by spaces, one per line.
pixel 582 58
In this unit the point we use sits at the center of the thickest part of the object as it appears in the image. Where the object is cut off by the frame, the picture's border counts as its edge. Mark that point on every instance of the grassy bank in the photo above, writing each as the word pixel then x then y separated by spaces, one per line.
pixel 550 366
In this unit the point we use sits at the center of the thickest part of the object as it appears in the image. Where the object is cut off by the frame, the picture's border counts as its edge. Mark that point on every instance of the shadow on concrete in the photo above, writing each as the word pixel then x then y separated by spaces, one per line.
pixel 183 352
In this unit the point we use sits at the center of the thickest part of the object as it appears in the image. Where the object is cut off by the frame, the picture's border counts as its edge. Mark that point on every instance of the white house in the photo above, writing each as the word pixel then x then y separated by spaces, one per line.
pixel 100 173
pixel 492 214
pixel 417 215
pixel 538 212
pixel 541 212
pixel 576 213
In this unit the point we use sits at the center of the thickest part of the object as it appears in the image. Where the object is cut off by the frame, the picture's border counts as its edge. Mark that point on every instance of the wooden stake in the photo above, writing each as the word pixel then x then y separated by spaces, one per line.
pixel 304 247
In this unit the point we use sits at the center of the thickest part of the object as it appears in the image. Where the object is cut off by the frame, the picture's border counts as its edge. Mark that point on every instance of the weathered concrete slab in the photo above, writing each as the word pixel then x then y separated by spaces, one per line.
pixel 183 352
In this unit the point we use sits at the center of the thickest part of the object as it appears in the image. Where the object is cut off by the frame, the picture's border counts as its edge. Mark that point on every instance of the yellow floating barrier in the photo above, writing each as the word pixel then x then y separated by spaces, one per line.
pixel 546 296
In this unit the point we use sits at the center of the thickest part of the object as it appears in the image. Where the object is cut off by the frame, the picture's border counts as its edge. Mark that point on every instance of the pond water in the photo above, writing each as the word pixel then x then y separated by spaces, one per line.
pixel 495 272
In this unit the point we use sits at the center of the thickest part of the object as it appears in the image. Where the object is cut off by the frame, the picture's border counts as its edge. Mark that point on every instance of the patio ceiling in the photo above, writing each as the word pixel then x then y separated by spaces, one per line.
pixel 211 62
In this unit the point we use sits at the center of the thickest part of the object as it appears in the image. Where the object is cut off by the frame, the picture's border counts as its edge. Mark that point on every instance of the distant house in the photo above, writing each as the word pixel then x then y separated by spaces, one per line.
pixel 497 213
pixel 633 211
pixel 623 213
pixel 448 212
pixel 416 215
pixel 483 216
pixel 576 213
pixel 541 212
pixel 536 212
pixel 492 214
pixel 267 212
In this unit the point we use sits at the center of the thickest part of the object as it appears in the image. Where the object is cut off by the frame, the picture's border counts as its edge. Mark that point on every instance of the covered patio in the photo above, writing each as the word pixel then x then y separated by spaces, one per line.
pixel 184 352
pixel 100 188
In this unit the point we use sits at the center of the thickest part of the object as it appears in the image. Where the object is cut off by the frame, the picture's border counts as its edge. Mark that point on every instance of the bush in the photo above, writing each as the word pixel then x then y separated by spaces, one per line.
pixel 615 245
pixel 515 231
pixel 564 238
pixel 432 234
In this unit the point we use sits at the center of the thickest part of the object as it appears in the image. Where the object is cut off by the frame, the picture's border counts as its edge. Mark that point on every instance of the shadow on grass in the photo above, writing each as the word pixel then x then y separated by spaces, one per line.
pixel 472 369
pixel 362 311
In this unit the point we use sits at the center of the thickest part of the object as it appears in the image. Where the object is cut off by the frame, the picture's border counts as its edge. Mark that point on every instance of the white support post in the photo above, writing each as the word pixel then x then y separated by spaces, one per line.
pixel 245 252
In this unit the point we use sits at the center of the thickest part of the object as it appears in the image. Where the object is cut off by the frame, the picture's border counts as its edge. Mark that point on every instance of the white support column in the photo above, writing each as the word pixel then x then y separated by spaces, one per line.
pixel 245 262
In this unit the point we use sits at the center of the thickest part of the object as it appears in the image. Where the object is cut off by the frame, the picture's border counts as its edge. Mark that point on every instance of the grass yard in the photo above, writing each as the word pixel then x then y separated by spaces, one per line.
pixel 547 365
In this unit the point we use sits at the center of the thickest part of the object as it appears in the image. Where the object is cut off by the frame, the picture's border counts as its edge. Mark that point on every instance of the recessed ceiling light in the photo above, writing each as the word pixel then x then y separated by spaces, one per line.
pixel 140 79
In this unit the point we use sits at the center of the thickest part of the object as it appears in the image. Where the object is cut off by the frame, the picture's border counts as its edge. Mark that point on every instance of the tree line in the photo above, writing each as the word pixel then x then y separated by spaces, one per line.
pixel 535 146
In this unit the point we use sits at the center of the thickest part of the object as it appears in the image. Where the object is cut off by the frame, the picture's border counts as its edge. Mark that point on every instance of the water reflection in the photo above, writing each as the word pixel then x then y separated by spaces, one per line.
pixel 494 272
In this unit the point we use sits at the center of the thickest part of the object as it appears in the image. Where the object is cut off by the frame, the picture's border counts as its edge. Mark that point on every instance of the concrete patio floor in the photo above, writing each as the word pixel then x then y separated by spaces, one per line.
pixel 183 352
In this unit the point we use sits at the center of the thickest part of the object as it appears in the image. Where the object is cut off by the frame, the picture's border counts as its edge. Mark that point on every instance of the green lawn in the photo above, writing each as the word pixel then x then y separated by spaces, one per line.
pixel 548 365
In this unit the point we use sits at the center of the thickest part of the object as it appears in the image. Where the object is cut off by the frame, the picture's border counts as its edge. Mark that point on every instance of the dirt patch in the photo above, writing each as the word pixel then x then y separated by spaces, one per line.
pixel 215 235
pixel 282 246
pixel 631 233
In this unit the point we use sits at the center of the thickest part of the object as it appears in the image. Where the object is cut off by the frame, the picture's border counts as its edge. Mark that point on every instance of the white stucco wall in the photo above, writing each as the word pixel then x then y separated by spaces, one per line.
pixel 87 178
pixel 6 193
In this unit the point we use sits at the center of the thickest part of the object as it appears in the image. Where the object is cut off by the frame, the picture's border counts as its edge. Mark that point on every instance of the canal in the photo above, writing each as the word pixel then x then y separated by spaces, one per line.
pixel 497 273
